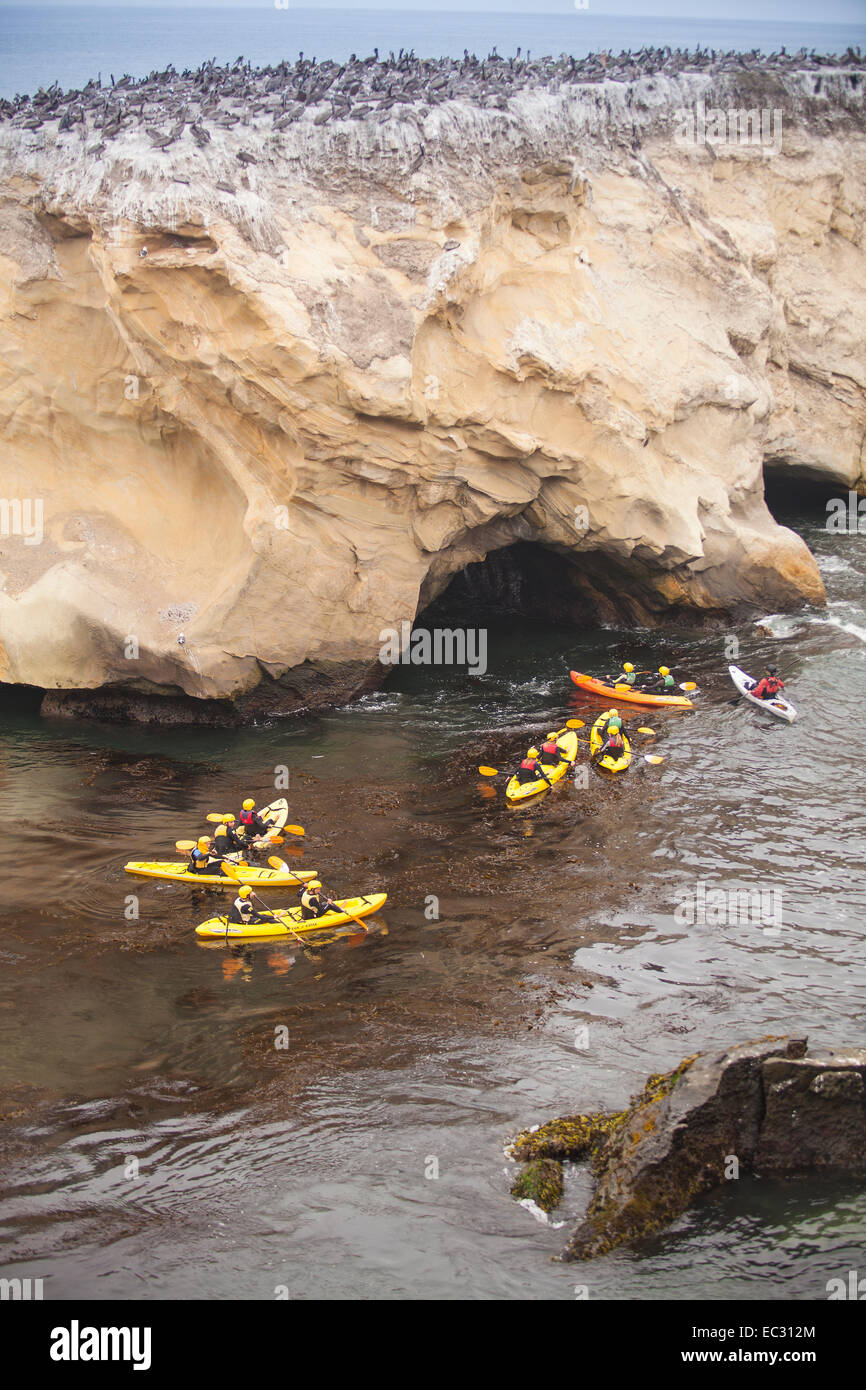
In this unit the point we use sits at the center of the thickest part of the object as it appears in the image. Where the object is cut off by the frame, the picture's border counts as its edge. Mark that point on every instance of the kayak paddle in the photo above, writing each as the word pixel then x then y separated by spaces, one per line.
pixel 277 863
pixel 216 818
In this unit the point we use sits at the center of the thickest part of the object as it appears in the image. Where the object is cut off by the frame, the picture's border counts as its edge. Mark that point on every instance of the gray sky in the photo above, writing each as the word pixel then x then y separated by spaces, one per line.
pixel 803 11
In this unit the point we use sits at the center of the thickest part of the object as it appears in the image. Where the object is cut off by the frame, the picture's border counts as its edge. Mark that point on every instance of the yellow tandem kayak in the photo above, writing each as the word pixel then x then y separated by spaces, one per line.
pixel 521 791
pixel 177 871
pixel 287 922
pixel 596 739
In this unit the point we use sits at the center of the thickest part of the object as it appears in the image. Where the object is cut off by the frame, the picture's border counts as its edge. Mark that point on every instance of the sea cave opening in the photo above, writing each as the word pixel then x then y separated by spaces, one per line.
pixel 794 498
pixel 524 580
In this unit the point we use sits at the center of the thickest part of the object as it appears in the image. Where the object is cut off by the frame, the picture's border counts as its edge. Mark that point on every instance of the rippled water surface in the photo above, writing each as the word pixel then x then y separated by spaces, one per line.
pixel 158 1144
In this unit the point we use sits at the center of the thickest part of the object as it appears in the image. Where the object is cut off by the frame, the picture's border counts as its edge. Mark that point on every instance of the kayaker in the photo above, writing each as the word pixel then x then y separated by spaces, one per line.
pixel 227 840
pixel 613 745
pixel 243 909
pixel 663 680
pixel 251 820
pixel 627 676
pixel 202 859
pixel 769 685
pixel 551 753
pixel 530 769
pixel 313 901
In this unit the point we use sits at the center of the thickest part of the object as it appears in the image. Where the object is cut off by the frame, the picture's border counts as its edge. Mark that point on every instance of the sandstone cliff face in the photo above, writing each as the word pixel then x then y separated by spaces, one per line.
pixel 396 348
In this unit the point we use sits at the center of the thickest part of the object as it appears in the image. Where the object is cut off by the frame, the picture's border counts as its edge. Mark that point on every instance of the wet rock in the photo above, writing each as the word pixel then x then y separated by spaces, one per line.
pixel 540 1182
pixel 763 1107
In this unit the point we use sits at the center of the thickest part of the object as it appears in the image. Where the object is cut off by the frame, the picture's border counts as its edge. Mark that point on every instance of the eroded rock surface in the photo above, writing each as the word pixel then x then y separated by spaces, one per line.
pixel 373 351
pixel 763 1107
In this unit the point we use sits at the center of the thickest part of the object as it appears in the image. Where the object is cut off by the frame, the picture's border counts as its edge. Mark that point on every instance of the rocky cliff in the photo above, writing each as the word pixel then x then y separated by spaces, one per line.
pixel 270 379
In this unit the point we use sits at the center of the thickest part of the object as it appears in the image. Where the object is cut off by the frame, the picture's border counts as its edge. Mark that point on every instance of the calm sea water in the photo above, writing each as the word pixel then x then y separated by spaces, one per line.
pixel 44 44
pixel 128 1038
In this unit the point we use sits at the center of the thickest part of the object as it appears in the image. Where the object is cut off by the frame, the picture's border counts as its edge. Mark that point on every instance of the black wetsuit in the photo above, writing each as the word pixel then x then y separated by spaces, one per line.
pixel 234 841
pixel 552 759
pixel 530 774
pixel 255 825
pixel 314 905
pixel 204 861
pixel 243 911
pixel 605 751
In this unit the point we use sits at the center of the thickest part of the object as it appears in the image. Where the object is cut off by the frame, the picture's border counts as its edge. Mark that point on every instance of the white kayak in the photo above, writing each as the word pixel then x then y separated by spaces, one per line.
pixel 782 708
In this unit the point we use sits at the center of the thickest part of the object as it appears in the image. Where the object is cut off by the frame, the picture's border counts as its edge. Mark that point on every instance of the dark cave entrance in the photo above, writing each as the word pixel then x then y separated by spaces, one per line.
pixel 18 701
pixel 793 497
pixel 532 581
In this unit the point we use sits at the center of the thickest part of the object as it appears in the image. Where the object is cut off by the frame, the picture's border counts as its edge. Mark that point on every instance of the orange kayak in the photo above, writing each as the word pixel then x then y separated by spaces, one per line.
pixel 626 694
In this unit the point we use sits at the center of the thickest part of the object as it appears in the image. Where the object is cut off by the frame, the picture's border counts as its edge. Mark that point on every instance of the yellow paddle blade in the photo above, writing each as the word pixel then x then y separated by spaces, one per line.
pixel 217 818
pixel 575 724
pixel 644 730
pixel 185 845
pixel 295 829
pixel 620 688
pixel 277 863
pixel 653 758
pixel 488 771
pixel 229 870
pixel 688 685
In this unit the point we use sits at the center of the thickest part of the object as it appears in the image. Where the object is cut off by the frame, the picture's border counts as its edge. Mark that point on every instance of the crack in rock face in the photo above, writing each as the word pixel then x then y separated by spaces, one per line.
pixel 324 394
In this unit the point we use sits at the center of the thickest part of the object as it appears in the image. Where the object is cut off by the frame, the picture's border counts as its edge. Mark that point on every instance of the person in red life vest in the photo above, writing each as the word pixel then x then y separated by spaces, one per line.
pixel 530 769
pixel 551 753
pixel 769 685
pixel 613 745
pixel 251 822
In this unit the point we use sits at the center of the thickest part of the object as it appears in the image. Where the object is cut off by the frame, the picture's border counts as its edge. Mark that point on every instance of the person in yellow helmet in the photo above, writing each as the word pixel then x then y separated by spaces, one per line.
pixel 613 745
pixel 530 769
pixel 663 681
pixel 203 859
pixel 243 909
pixel 251 822
pixel 227 841
pixel 313 901
pixel 626 676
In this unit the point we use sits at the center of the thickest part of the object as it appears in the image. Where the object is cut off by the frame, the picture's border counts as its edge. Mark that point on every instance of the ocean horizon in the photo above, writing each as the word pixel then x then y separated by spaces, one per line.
pixel 70 44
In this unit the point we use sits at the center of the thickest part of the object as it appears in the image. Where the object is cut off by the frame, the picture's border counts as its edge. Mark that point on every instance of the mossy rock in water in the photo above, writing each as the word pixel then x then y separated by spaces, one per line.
pixel 675 1138
pixel 570 1137
pixel 541 1181
pixel 780 1111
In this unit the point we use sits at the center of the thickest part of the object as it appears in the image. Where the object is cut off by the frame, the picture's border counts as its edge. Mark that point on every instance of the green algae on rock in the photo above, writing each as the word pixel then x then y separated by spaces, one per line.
pixel 541 1182
pixel 762 1107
